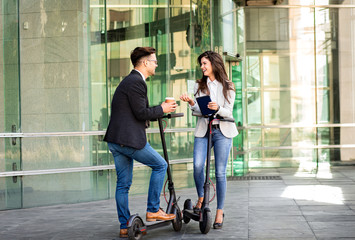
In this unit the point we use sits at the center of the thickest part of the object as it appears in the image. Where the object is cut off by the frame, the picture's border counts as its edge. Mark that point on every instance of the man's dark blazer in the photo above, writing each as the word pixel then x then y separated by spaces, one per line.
pixel 129 112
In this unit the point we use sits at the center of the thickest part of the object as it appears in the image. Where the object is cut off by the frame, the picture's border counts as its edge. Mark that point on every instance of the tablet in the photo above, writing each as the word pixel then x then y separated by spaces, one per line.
pixel 202 103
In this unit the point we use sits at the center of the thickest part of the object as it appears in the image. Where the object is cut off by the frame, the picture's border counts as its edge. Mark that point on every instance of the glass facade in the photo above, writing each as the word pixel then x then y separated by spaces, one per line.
pixel 292 65
pixel 297 77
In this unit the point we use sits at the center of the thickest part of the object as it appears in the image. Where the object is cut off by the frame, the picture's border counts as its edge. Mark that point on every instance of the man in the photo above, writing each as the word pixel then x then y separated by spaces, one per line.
pixel 126 136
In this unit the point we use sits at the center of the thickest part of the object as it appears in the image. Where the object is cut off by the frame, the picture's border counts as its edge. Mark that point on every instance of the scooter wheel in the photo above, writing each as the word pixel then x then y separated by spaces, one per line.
pixel 187 206
pixel 133 232
pixel 206 223
pixel 177 222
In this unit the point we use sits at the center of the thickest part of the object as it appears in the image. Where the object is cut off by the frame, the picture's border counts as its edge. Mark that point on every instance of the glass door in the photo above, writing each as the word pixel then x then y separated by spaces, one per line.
pixel 238 164
pixel 10 123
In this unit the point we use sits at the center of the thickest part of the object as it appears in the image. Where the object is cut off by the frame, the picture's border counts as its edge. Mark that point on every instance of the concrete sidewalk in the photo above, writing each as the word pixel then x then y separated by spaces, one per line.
pixel 299 206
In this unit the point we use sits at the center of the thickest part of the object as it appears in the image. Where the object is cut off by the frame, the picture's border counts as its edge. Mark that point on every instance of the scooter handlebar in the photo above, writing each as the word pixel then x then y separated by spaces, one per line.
pixel 170 115
pixel 227 119
pixel 173 115
pixel 217 117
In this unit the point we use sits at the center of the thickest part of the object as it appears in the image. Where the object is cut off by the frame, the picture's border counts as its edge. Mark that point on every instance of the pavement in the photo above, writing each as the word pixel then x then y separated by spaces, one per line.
pixel 298 205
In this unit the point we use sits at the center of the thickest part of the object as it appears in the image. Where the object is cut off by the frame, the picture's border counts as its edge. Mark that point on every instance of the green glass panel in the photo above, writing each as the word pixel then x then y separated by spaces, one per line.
pixel 204 21
pixel 55 79
pixel 254 138
pixel 252 71
pixel 323 65
pixel 63 152
pixel 255 159
pixel 280 79
pixel 323 111
pixel 238 164
pixel 228 26
pixel 301 158
pixel 304 136
pixel 2 155
pixel 332 136
pixel 253 107
pixel 236 78
pixel 272 107
pixel 274 137
pixel 271 71
pixel 10 159
pixel 179 145
pixel 97 67
pixel 10 187
pixel 10 193
pixel 59 188
pixel 182 175
pixel 277 107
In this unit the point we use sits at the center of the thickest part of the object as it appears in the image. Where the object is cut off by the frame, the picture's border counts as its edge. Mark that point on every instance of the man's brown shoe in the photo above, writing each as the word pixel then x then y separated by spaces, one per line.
pixel 160 215
pixel 124 233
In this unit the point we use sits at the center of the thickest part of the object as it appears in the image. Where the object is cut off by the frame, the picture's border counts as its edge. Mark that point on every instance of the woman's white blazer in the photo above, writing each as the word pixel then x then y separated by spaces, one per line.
pixel 228 129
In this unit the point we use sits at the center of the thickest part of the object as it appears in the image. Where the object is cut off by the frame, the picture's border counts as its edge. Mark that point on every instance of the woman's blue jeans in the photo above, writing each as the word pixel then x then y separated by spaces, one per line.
pixel 124 168
pixel 222 146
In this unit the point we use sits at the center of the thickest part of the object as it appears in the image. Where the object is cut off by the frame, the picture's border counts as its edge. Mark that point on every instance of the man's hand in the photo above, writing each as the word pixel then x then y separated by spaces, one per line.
pixel 169 107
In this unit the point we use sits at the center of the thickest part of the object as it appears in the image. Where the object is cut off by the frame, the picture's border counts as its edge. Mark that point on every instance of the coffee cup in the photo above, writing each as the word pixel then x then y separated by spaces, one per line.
pixel 169 99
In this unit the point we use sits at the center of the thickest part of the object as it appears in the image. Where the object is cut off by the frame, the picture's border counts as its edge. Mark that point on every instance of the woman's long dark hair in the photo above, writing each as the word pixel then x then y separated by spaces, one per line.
pixel 219 72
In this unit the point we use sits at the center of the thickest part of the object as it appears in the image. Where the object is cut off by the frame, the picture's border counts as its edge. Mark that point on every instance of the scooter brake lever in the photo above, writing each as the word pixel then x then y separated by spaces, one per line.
pixel 176 201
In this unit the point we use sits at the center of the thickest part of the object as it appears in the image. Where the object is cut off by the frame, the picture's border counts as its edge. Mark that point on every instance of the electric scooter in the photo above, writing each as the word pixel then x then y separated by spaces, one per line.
pixel 204 216
pixel 135 225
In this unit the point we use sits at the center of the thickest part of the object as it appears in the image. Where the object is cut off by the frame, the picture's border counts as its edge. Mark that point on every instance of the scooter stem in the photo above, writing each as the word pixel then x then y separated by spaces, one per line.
pixel 208 164
pixel 172 198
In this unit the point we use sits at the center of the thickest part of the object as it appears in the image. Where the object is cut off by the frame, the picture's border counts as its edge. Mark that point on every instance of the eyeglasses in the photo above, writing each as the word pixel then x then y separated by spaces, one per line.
pixel 156 61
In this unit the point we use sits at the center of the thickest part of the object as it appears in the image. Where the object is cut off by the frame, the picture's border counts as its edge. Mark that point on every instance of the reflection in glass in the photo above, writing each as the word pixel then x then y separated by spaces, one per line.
pixel 253 107
pixel 51 189
pixel 63 152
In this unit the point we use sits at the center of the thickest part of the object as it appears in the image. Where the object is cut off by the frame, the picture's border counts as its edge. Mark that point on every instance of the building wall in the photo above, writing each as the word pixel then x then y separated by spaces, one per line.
pixel 347 79
pixel 54 92
pixel 62 61
pixel 2 106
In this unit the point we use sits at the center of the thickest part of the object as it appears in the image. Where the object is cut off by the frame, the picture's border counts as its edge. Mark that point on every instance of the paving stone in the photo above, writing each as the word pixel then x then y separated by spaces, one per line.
pixel 333 230
pixel 281 233
pixel 271 202
pixel 301 206
pixel 326 210
pixel 330 218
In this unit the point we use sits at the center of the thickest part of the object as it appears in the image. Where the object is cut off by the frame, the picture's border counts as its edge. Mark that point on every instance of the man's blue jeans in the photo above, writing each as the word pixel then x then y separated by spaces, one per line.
pixel 124 168
pixel 222 146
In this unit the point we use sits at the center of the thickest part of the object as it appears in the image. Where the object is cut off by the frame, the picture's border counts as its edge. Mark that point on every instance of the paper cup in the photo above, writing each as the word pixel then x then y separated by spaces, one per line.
pixel 169 99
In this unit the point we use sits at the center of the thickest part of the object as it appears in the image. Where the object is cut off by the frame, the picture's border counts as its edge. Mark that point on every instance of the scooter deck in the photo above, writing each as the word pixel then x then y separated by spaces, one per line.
pixel 156 222
pixel 191 214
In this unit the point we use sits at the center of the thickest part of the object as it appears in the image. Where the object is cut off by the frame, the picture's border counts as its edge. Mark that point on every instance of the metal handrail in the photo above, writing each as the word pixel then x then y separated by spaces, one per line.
pixel 77 169
pixel 84 133
pixel 175 130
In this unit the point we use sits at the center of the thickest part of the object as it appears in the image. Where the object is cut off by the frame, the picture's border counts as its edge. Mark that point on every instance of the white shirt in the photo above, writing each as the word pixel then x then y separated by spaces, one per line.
pixel 212 86
pixel 140 74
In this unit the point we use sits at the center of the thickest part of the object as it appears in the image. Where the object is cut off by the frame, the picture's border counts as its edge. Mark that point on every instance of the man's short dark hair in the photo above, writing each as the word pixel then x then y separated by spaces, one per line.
pixel 140 52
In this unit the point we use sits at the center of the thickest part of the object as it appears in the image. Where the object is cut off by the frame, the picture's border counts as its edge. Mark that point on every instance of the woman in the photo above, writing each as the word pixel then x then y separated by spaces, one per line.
pixel 214 83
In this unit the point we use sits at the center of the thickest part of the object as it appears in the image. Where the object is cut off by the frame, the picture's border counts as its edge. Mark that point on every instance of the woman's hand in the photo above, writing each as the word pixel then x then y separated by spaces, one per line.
pixel 213 106
pixel 185 97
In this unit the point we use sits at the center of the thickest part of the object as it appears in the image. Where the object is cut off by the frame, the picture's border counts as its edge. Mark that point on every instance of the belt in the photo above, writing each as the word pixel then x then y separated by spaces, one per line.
pixel 215 126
